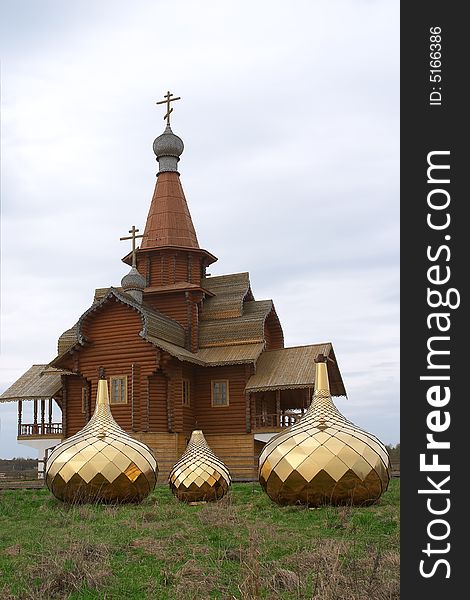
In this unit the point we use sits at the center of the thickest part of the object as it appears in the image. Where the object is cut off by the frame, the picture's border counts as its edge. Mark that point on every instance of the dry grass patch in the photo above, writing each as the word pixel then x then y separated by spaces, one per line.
pixel 150 546
pixel 338 570
pixel 56 576
pixel 219 514
pixel 194 581
pixel 12 550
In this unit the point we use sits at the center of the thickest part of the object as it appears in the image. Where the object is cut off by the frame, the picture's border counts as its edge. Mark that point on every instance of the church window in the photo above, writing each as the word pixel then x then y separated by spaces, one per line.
pixel 118 385
pixel 220 392
pixel 84 400
pixel 186 400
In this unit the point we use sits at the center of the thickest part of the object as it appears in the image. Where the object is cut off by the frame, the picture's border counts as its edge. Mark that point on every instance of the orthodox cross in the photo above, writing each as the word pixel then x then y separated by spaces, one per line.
pixel 132 237
pixel 167 101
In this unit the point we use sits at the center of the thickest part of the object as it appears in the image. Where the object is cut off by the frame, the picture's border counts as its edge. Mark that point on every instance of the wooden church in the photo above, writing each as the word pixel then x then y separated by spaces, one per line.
pixel 181 349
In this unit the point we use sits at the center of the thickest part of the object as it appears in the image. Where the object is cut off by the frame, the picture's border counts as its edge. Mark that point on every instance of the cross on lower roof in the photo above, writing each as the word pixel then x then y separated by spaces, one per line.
pixel 133 237
pixel 167 101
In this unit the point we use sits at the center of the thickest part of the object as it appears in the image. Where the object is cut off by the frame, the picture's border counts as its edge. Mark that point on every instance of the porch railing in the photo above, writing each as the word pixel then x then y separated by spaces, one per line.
pixel 26 429
pixel 265 421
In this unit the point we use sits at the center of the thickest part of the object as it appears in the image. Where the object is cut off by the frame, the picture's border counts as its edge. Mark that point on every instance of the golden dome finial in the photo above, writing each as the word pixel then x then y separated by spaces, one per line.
pixel 322 382
pixel 324 458
pixel 101 463
pixel 199 474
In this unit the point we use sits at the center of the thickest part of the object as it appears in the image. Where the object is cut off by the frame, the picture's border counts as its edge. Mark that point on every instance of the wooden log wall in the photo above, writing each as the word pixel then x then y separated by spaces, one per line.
pixel 221 419
pixel 158 410
pixel 188 419
pixel 194 325
pixel 173 305
pixel 115 344
pixel 75 419
pixel 169 266
pixel 237 452
pixel 165 447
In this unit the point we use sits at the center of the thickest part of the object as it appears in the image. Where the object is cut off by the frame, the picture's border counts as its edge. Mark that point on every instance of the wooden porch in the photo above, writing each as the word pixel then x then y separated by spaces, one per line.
pixel 273 411
pixel 275 421
pixel 41 427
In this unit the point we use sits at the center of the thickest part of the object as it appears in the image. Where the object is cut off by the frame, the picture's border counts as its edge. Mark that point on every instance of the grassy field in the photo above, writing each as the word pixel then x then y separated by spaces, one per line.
pixel 242 547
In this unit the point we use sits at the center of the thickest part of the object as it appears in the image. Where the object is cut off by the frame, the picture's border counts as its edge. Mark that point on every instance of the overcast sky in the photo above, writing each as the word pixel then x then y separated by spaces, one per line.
pixel 290 119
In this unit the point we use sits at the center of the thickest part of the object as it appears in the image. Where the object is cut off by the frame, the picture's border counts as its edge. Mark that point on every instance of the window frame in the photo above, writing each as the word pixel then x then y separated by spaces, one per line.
pixel 85 400
pixel 111 380
pixel 227 384
pixel 186 392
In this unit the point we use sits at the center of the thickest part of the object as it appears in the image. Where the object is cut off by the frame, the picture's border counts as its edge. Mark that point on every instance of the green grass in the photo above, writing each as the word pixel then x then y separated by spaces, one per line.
pixel 241 547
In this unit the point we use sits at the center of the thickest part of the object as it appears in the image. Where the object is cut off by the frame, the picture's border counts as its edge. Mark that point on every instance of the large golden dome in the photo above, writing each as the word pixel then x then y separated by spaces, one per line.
pixel 324 458
pixel 199 474
pixel 101 463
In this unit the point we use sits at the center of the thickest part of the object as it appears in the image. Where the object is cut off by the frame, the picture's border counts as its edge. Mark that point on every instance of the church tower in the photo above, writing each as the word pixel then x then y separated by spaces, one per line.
pixel 169 257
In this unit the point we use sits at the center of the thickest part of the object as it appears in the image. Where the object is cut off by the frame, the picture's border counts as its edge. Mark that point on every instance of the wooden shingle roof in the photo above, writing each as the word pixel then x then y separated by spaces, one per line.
pixel 169 221
pixel 245 329
pixel 229 292
pixel 155 324
pixel 293 368
pixel 231 355
pixel 67 339
pixel 212 357
pixel 39 382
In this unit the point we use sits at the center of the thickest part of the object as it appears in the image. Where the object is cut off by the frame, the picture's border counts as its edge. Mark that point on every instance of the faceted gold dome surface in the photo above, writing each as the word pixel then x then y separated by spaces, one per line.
pixel 199 474
pixel 324 458
pixel 101 463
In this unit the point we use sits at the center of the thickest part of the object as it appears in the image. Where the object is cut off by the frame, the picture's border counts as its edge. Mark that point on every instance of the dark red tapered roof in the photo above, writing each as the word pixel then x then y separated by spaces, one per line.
pixel 169 221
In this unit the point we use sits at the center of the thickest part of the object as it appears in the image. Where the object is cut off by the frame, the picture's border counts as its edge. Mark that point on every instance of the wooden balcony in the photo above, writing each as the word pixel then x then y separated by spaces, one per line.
pixel 276 421
pixel 40 429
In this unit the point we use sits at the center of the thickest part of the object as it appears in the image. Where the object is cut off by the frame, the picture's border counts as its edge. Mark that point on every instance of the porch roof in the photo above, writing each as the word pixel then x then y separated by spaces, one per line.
pixel 39 382
pixel 212 357
pixel 294 368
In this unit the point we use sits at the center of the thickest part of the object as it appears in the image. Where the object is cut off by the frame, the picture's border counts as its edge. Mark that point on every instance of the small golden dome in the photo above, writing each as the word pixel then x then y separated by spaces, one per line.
pixel 324 458
pixel 199 474
pixel 101 463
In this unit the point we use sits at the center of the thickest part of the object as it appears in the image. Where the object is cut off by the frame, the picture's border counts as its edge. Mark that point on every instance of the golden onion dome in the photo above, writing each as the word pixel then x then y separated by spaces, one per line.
pixel 324 458
pixel 199 474
pixel 101 463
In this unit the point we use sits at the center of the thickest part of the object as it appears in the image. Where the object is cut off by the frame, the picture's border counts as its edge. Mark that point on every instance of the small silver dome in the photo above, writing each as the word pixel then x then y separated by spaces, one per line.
pixel 133 281
pixel 168 144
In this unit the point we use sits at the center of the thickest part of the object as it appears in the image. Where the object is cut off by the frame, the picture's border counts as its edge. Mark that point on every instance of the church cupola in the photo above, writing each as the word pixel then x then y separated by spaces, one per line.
pixel 168 148
pixel 134 284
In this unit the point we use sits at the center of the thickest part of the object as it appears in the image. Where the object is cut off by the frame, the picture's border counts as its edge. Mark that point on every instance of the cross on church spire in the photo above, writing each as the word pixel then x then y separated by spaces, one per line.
pixel 167 101
pixel 133 237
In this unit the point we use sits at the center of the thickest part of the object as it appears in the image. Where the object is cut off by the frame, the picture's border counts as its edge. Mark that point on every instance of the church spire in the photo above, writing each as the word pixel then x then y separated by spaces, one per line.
pixel 168 147
pixel 169 221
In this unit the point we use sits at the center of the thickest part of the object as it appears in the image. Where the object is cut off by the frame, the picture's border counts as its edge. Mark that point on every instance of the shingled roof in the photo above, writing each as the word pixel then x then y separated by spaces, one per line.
pixel 293 368
pixel 229 293
pixel 231 331
pixel 245 329
pixel 67 340
pixel 212 357
pixel 40 382
pixel 156 325
pixel 168 335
